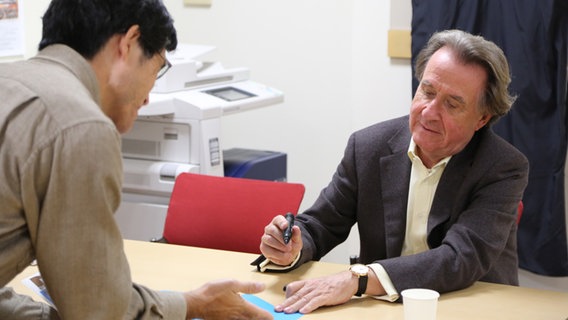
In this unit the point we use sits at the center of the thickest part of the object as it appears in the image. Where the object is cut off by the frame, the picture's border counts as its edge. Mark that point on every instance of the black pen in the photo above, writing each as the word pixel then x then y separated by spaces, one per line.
pixel 288 231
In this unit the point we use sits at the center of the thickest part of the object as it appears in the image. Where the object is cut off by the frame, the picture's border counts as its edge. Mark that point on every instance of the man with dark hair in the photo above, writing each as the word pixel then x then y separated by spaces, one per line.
pixel 61 116
pixel 434 194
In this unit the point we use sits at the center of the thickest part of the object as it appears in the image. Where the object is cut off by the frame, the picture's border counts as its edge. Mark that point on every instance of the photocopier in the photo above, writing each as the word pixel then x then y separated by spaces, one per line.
pixel 179 131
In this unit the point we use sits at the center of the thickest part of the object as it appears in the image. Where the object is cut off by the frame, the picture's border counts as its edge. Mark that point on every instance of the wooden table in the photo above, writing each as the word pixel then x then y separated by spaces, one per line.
pixel 169 267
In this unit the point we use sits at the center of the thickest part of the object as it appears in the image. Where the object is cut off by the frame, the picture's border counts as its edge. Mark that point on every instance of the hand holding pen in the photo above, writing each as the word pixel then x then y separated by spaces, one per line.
pixel 288 231
pixel 281 242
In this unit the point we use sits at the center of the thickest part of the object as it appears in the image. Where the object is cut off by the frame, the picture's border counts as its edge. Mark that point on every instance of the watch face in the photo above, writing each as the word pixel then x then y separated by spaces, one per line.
pixel 360 269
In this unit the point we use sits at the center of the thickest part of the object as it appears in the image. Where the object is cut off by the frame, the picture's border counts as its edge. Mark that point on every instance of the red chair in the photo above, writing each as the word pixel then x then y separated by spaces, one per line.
pixel 226 213
pixel 520 209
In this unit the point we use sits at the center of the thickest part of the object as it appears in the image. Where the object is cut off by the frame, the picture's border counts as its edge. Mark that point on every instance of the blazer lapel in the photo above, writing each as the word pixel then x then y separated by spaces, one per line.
pixel 449 184
pixel 395 172
pixel 447 191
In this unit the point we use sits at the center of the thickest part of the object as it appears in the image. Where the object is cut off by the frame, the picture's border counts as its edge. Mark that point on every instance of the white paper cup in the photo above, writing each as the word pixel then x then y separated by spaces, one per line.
pixel 420 304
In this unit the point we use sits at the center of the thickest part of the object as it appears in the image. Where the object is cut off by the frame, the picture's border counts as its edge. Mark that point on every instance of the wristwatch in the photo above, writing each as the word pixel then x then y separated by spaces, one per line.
pixel 361 271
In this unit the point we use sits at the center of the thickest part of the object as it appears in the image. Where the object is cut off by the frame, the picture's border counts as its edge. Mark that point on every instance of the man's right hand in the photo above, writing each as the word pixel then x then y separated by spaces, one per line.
pixel 272 243
pixel 221 300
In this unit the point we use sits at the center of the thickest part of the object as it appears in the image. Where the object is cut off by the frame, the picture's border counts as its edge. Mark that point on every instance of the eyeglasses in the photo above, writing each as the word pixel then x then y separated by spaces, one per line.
pixel 167 65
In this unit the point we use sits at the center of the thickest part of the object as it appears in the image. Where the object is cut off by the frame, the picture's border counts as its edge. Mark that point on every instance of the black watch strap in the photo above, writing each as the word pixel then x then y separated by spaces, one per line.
pixel 362 285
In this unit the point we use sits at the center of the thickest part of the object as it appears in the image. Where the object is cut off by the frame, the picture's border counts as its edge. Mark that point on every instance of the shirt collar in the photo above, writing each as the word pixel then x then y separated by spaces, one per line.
pixel 75 63
pixel 413 156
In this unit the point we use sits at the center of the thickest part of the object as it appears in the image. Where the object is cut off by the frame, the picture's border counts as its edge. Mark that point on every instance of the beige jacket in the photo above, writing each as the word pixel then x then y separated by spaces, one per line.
pixel 60 184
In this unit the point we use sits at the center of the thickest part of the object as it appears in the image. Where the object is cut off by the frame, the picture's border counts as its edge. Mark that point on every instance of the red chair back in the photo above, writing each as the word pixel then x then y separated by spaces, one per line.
pixel 520 211
pixel 226 213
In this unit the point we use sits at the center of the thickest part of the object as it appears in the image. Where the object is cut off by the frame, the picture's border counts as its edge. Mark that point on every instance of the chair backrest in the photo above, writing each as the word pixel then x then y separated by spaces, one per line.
pixel 226 213
pixel 520 209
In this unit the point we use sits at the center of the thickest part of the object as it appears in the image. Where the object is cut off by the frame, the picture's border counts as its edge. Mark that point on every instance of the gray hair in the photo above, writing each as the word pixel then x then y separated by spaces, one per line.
pixel 470 49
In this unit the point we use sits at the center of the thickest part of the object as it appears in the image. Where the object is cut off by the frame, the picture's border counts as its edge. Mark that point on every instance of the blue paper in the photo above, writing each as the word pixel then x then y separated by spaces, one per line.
pixel 270 308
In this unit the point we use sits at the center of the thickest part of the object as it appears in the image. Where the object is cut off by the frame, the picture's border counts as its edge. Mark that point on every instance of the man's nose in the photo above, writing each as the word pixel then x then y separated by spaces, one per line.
pixel 432 108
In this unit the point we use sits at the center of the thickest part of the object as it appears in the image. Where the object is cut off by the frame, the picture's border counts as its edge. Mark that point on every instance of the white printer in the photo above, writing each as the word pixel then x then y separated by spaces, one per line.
pixel 179 131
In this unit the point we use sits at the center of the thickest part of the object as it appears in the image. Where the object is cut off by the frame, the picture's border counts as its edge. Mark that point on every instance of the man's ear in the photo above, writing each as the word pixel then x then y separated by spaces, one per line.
pixel 482 121
pixel 128 40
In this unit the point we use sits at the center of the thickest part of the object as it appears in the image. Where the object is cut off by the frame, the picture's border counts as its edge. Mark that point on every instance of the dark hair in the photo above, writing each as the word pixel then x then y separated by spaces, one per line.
pixel 471 49
pixel 87 25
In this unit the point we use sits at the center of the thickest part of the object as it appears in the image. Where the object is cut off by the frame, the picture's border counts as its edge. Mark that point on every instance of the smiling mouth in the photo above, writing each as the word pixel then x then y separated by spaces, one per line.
pixel 426 128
